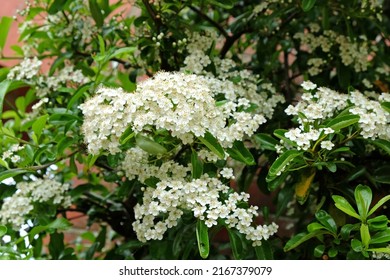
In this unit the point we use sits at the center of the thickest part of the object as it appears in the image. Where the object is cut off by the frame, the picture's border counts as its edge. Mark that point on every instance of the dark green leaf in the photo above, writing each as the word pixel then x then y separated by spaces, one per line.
pixel 325 219
pixel 307 5
pixel 266 141
pixel 197 165
pixel 298 239
pixel 280 163
pixel 382 144
pixel 346 230
pixel 264 252
pixel 381 237
pixel 319 250
pixel 56 245
pixel 342 121
pixel 356 245
pixel 277 181
pixel 126 136
pixel 226 4
pixel 212 143
pixel 236 244
pixel 333 252
pixel 202 236
pixel 5 25
pixel 11 173
pixel 78 94
pixel 241 153
pixel 3 230
pixel 96 12
pixel 382 174
pixel 56 6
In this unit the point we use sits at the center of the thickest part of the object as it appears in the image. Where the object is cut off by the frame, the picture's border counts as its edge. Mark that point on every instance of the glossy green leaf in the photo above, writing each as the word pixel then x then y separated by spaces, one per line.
pixel 363 197
pixel 319 250
pixel 333 252
pixel 96 12
pixel 39 125
pixel 3 230
pixel 315 226
pixel 4 163
pixel 241 153
pixel 381 237
pixel 196 165
pixel 346 230
pixel 343 121
pixel 264 252
pixel 365 235
pixel 298 239
pixel 5 25
pixel 382 201
pixel 326 220
pixel 11 173
pixel 127 135
pixel 386 106
pixel 342 204
pixel 56 6
pixel 212 144
pixel 265 141
pixel 382 144
pixel 307 5
pixel 202 236
pixel 236 244
pixel 356 245
pixel 149 146
pixel 378 223
pixel 281 162
pixel 277 181
pixel 78 94
pixel 4 86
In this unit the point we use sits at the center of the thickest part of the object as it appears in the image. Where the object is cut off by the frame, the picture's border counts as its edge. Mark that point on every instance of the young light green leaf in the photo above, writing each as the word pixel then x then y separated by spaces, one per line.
pixel 39 125
pixel 127 135
pixel 378 223
pixel 280 163
pixel 241 153
pixel 226 4
pixel 120 51
pixel 212 143
pixel 197 165
pixel 5 25
pixel 149 146
pixel 363 197
pixel 343 121
pixel 365 235
pixel 202 236
pixel 4 85
pixel 382 201
pixel 307 5
pixel 342 204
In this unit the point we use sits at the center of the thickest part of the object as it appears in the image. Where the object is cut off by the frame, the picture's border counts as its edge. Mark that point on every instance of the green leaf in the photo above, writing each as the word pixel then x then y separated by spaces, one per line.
pixel 319 250
pixel 386 106
pixel 342 121
pixel 78 94
pixel 342 204
pixel 56 6
pixel 365 235
pixel 202 236
pixel 39 125
pixel 307 5
pixel 346 229
pixel 264 252
pixel 149 146
pixel 11 173
pixel 212 143
pixel 281 162
pixel 382 144
pixel 379 204
pixel 266 141
pixel 315 226
pixel 96 12
pixel 4 163
pixel 382 174
pixel 197 165
pixel 56 245
pixel 325 219
pixel 236 244
pixel 381 237
pixel 3 230
pixel 5 25
pixel 356 245
pixel 378 223
pixel 241 153
pixel 226 4
pixel 4 85
pixel 333 252
pixel 118 52
pixel 127 135
pixel 298 239
pixel 276 182
pixel 102 45
pixel 363 197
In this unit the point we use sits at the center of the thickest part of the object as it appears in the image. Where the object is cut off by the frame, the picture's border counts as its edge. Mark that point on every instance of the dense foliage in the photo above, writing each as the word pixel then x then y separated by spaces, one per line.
pixel 197 129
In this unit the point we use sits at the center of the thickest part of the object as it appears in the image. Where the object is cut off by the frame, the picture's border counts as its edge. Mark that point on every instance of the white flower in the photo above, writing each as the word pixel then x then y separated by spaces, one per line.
pixel 227 173
pixel 327 145
pixel 308 85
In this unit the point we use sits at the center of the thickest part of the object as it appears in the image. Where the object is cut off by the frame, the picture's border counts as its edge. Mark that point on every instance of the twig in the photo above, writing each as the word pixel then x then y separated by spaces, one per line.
pixel 210 20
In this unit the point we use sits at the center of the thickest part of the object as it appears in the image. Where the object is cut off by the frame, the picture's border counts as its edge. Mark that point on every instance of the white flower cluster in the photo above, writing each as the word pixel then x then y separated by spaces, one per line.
pixel 320 104
pixel 28 71
pixel 16 208
pixel 164 205
pixel 351 53
pixel 183 104
pixel 381 256
pixel 12 153
pixel 236 83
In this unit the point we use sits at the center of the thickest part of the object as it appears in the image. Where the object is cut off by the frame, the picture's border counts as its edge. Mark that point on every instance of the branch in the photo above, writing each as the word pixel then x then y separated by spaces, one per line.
pixel 210 20
pixel 231 40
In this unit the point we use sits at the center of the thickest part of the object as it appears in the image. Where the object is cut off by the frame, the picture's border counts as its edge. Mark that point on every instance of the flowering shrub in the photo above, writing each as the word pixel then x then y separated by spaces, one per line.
pixel 196 129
